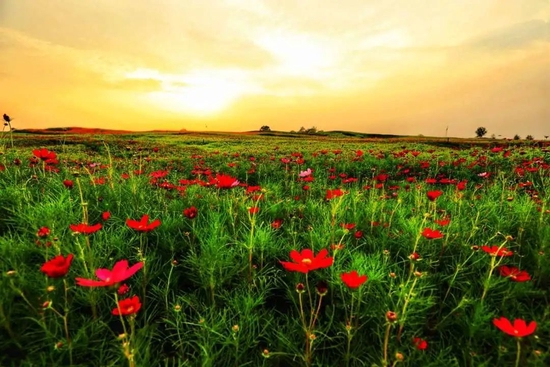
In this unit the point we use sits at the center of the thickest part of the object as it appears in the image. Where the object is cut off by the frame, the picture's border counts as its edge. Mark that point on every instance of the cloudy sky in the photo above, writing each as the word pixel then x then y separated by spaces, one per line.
pixel 397 66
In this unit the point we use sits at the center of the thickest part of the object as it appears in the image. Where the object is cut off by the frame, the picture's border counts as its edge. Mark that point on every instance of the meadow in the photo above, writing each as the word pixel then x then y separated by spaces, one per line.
pixel 269 250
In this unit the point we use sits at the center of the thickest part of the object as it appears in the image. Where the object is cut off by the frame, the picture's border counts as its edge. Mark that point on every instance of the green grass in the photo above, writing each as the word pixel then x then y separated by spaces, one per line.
pixel 213 290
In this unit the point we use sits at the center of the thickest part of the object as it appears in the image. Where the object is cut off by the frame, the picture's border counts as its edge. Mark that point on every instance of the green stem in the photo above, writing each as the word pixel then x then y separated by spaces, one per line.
pixel 66 321
pixel 386 342
pixel 519 352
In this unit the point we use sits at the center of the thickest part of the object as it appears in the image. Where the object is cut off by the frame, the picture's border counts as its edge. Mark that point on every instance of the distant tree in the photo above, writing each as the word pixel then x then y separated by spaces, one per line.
pixel 529 137
pixel 7 122
pixel 302 130
pixel 493 136
pixel 311 130
pixel 517 137
pixel 481 132
pixel 265 128
pixel 545 137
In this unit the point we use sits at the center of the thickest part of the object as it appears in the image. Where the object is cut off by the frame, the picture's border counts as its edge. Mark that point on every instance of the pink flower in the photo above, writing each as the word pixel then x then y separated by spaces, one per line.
pixel 305 173
pixel 120 273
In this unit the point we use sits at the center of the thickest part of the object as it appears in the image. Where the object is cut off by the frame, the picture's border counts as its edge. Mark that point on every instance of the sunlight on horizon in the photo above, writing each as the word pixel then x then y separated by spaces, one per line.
pixel 199 93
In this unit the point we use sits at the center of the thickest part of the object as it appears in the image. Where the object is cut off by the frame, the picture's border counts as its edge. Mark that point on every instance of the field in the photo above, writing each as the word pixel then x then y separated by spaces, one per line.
pixel 273 250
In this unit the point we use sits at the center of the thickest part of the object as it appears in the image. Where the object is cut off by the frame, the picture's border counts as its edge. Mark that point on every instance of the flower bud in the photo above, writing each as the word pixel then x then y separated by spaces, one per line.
pixel 321 288
pixel 391 316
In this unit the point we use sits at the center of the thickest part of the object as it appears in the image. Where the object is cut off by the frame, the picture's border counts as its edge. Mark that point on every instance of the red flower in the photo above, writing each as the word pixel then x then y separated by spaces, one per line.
pixel 57 267
pixel 85 228
pixel 190 213
pixel 44 154
pixel 305 262
pixel 254 210
pixel 432 195
pixel 123 289
pixel 519 329
pixel 277 223
pixel 43 232
pixel 497 251
pixel 348 226
pixel 225 181
pixel 143 225
pixel 120 273
pixel 68 184
pixel 331 194
pixel 251 189
pixel 415 256
pixel 432 234
pixel 358 234
pixel 514 273
pixel 420 344
pixel 443 222
pixel 353 280
pixel 105 216
pixel 128 306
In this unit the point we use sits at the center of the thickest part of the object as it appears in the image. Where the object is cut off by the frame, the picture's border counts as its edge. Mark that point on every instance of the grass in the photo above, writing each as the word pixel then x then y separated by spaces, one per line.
pixel 212 288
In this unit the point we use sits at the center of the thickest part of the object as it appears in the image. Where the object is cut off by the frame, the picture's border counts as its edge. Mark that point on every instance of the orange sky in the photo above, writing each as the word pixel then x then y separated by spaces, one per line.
pixel 400 67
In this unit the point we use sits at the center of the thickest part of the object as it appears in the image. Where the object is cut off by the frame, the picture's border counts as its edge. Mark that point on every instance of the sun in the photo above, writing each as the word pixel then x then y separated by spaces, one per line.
pixel 206 98
pixel 199 93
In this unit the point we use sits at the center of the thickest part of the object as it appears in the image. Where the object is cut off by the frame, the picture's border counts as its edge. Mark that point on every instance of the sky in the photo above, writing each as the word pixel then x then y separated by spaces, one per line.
pixel 405 67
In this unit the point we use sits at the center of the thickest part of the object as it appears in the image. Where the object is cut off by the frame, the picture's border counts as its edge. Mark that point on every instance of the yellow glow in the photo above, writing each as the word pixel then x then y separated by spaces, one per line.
pixel 297 54
pixel 199 93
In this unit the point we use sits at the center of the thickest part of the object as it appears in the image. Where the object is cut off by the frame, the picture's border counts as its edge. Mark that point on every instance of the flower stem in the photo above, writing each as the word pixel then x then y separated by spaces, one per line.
pixel 519 352
pixel 386 342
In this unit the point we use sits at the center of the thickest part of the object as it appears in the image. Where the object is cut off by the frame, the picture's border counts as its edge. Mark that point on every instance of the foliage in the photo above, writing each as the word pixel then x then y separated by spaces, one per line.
pixel 272 251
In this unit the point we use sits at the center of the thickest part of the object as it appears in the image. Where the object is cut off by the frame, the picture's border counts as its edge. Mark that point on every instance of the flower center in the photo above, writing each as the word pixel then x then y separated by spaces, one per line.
pixel 306 261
